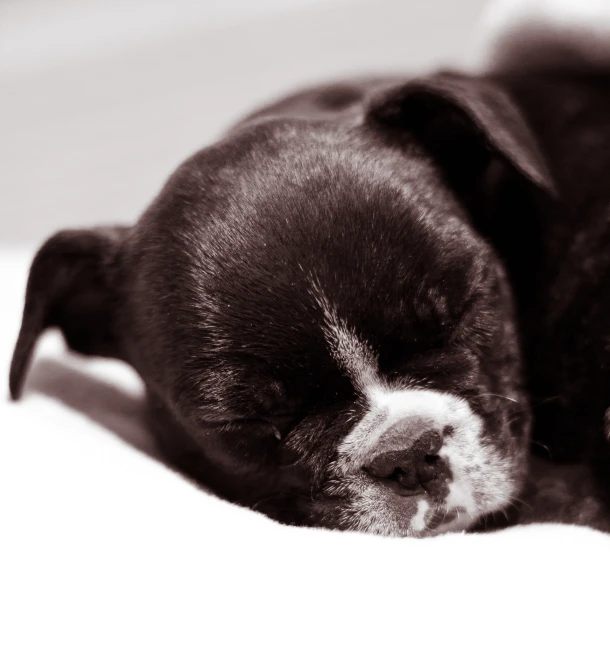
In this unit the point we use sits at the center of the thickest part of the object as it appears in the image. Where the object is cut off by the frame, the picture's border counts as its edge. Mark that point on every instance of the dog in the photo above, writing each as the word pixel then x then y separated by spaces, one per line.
pixel 324 331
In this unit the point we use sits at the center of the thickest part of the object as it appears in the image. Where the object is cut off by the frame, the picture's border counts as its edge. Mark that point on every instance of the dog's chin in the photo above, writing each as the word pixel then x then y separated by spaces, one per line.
pixel 375 512
pixel 372 509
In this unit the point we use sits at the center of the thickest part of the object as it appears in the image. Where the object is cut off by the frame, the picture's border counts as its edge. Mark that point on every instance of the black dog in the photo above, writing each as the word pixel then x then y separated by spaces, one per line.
pixel 324 332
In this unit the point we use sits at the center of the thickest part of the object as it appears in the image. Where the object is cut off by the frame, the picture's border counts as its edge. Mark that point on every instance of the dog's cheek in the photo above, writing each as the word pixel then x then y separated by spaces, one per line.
pixel 502 401
pixel 503 465
pixel 287 509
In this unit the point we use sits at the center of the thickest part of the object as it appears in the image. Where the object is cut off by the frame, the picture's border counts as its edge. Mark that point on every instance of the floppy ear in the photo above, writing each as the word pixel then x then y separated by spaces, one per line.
pixel 465 121
pixel 74 284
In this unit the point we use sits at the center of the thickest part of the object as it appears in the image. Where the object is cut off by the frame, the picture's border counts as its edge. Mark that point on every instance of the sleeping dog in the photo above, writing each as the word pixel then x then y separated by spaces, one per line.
pixel 324 332
pixel 319 303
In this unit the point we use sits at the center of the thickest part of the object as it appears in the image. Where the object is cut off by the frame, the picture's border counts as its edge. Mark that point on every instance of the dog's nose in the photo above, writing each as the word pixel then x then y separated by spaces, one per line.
pixel 410 461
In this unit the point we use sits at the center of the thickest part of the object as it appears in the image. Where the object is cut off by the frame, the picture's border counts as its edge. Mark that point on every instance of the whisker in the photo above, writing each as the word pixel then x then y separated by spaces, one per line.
pixel 522 502
pixel 544 446
pixel 497 395
pixel 545 400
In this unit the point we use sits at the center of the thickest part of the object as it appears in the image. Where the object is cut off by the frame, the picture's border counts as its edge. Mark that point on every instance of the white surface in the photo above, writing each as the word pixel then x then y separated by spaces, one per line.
pixel 108 559
pixel 39 33
pixel 90 134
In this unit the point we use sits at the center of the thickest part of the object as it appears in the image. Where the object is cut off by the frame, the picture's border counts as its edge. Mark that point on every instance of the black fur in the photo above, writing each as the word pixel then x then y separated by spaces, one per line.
pixel 558 254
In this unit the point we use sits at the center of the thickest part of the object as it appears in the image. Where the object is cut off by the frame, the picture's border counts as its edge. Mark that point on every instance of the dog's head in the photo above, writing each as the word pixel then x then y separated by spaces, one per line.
pixel 323 334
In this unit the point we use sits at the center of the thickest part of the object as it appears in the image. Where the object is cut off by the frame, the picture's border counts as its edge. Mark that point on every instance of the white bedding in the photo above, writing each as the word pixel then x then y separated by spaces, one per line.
pixel 110 560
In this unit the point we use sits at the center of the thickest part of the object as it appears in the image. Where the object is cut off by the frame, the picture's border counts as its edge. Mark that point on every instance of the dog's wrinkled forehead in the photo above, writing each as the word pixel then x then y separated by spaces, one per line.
pixel 294 233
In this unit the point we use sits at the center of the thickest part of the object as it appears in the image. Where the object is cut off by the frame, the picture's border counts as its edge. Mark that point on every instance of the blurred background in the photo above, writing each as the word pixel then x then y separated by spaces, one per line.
pixel 101 99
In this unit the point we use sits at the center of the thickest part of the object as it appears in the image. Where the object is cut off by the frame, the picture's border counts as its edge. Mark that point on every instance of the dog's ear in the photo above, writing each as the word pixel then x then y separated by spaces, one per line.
pixel 75 284
pixel 465 121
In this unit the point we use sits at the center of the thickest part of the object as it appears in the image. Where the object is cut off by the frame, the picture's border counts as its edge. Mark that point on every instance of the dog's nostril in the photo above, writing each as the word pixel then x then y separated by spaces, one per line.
pixel 408 479
pixel 404 481
pixel 388 464
pixel 431 458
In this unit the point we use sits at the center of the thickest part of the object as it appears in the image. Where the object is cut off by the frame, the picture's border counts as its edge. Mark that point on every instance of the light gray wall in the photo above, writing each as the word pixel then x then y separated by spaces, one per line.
pixel 90 133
